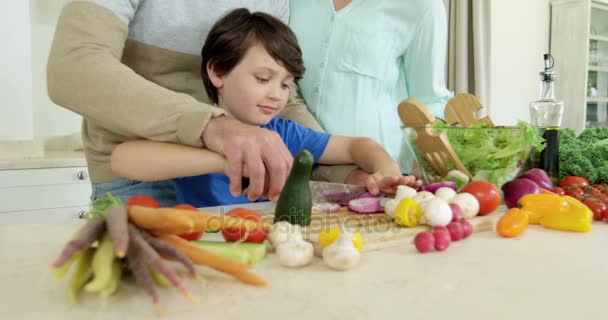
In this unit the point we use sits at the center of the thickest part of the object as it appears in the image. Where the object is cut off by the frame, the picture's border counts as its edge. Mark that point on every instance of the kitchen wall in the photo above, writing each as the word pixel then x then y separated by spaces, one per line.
pixel 519 38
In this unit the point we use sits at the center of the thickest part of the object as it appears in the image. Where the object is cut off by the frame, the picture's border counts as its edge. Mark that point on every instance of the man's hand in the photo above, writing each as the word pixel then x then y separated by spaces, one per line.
pixel 259 152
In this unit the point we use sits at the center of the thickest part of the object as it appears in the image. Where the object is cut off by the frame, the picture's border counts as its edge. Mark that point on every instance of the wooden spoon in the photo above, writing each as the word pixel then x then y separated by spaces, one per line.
pixel 462 110
pixel 433 145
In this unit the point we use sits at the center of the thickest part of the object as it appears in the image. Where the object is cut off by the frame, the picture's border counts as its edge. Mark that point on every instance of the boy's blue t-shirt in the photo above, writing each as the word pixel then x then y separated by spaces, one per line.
pixel 214 189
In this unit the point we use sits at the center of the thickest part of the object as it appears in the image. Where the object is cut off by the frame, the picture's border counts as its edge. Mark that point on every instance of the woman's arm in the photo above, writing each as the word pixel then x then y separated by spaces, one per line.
pixel 146 160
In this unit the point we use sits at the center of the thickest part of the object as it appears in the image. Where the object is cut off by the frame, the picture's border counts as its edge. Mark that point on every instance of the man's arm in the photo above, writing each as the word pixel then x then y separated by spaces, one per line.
pixel 85 75
pixel 163 161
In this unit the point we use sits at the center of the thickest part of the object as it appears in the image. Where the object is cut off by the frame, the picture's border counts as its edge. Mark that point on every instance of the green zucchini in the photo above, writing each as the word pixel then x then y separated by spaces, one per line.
pixel 243 252
pixel 295 201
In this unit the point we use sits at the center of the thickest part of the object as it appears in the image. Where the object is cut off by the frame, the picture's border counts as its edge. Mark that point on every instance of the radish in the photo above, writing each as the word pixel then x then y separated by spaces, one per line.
pixel 456 211
pixel 424 241
pixel 467 228
pixel 442 239
pixel 456 232
pixel 365 205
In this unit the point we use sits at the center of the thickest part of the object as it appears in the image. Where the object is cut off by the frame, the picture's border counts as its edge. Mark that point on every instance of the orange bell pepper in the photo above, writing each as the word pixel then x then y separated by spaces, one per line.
pixel 513 223
pixel 540 205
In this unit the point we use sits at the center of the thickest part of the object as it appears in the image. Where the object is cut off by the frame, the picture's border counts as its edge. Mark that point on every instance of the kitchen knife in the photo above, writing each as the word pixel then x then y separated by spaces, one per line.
pixel 334 192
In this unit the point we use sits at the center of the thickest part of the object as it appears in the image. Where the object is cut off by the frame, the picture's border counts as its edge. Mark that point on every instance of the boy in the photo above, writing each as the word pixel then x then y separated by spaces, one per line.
pixel 250 61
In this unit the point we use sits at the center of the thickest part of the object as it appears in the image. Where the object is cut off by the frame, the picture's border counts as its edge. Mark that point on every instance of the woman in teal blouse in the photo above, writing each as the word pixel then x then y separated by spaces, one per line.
pixel 363 57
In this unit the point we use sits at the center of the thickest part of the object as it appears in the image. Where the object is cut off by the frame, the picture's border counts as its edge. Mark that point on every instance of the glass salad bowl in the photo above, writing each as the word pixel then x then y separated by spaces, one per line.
pixel 495 154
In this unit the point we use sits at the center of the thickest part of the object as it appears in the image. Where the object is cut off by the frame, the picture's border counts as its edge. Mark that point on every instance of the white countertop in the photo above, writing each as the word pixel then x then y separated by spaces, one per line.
pixel 49 159
pixel 543 274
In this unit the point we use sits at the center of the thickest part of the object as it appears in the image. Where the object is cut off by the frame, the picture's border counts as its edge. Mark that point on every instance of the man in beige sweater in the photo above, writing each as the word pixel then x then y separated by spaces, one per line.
pixel 131 69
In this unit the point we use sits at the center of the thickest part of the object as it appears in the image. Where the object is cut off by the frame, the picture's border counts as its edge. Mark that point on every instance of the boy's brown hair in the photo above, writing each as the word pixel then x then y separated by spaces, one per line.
pixel 233 34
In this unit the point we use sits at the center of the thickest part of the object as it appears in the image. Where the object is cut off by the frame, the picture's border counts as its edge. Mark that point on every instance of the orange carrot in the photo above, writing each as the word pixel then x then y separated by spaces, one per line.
pixel 180 221
pixel 164 220
pixel 203 257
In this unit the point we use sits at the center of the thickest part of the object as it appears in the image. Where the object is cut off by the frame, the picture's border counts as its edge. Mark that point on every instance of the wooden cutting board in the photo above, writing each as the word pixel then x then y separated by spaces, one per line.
pixel 377 230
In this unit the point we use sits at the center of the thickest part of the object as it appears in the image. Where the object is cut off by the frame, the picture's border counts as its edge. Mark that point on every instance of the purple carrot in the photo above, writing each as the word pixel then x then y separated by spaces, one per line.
pixel 116 222
pixel 91 231
pixel 153 259
pixel 142 275
pixel 169 252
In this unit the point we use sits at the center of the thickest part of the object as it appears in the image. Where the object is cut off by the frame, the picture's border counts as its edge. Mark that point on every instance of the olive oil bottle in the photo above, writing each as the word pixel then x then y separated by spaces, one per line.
pixel 546 113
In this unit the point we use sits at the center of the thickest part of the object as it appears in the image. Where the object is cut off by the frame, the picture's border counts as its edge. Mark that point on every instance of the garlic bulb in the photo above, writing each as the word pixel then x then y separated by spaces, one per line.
pixel 279 232
pixel 342 254
pixel 295 252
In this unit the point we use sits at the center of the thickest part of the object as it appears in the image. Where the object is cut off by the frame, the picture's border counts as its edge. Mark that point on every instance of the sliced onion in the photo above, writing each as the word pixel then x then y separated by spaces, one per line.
pixel 365 205
pixel 326 207
pixel 434 186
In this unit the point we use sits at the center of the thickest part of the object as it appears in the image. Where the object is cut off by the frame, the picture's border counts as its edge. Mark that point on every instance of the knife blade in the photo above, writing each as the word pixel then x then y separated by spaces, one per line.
pixel 335 192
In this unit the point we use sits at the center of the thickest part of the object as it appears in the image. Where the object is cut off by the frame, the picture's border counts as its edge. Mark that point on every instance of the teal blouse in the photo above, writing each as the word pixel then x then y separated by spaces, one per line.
pixel 364 59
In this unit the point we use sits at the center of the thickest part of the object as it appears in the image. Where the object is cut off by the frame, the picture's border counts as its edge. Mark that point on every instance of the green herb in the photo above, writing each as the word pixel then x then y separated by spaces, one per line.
pixel 98 208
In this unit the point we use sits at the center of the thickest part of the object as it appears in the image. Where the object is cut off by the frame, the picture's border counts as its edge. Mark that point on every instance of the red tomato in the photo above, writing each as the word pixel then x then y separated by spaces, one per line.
pixel 194 235
pixel 574 191
pixel 573 180
pixel 599 209
pixel 486 193
pixel 143 200
pixel 559 191
pixel 256 235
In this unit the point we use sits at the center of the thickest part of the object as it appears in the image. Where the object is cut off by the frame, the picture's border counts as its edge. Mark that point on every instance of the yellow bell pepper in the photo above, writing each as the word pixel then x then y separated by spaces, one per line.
pixel 540 205
pixel 408 213
pixel 577 217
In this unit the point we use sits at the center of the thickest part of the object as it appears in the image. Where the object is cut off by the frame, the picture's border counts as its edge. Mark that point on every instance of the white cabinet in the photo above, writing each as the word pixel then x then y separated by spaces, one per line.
pixel 579 44
pixel 43 195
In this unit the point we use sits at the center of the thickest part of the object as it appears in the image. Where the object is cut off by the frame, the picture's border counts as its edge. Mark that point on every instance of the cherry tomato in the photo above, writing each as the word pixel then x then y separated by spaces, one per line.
pixel 559 191
pixel 256 235
pixel 573 180
pixel 143 200
pixel 598 210
pixel 194 235
pixel 486 193
pixel 574 191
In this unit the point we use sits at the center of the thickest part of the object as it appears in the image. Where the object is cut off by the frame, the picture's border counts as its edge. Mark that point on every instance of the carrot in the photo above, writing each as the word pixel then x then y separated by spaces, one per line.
pixel 180 221
pixel 114 280
pixel 168 252
pixel 81 275
pixel 203 257
pixel 152 259
pixel 116 223
pixel 142 275
pixel 161 220
pixel 101 265
pixel 91 231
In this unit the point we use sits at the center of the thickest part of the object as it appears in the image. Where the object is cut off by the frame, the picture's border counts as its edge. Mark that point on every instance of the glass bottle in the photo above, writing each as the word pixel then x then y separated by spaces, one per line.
pixel 546 113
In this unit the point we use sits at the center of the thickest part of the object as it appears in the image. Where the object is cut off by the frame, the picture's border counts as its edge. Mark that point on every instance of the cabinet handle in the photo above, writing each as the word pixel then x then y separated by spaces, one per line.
pixel 82 175
pixel 81 214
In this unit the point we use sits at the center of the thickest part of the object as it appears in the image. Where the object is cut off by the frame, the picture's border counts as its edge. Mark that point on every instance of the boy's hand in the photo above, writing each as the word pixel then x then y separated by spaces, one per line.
pixel 379 183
